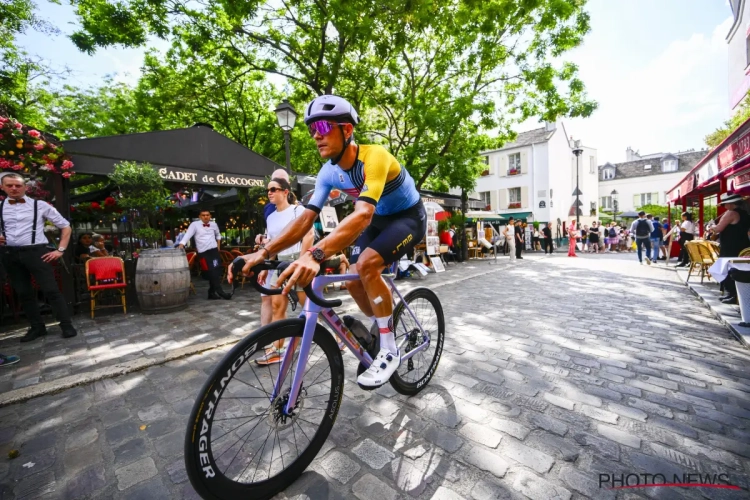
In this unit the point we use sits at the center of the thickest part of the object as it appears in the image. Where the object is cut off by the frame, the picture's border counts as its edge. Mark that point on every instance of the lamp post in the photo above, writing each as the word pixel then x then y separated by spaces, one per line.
pixel 286 116
pixel 577 151
pixel 614 194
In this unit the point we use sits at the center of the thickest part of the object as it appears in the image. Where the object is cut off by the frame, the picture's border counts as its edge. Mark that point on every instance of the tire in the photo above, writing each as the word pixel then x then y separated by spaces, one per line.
pixel 425 362
pixel 217 399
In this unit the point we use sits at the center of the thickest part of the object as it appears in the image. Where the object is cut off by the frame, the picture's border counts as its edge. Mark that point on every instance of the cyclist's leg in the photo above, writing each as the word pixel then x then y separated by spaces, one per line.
pixel 356 288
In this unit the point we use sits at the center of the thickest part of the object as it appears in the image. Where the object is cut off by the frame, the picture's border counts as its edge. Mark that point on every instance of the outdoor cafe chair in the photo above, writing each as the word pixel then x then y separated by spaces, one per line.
pixel 106 273
pixel 700 258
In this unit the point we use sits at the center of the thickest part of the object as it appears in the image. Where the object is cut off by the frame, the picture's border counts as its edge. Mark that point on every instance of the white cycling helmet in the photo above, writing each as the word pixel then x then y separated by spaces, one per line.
pixel 331 107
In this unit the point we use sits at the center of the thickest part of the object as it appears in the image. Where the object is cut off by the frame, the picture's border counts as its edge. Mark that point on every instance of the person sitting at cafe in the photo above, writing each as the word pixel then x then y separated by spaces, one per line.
pixel 98 249
pixel 83 247
pixel 25 254
pixel 733 228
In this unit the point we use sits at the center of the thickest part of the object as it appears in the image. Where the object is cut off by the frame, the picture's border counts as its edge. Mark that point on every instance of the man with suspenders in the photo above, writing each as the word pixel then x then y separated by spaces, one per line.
pixel 24 253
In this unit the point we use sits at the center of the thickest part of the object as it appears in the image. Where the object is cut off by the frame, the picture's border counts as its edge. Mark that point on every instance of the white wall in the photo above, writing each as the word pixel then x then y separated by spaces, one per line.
pixel 498 181
pixel 739 82
pixel 627 188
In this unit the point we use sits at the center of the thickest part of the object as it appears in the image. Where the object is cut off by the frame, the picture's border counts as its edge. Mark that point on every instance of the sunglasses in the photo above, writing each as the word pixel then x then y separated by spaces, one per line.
pixel 322 127
pixel 274 189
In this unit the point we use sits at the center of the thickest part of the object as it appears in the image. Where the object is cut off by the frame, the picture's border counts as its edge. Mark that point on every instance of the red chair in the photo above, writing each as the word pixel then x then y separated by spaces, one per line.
pixel 105 273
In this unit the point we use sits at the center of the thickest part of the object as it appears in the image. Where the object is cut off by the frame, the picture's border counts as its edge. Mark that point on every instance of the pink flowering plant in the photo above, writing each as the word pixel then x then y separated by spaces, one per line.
pixel 29 152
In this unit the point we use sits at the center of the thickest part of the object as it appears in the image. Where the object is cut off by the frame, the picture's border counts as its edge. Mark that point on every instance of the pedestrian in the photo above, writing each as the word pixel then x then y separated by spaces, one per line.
pixel 572 235
pixel 665 229
pixel 547 232
pixel 657 235
pixel 208 244
pixel 584 238
pixel 510 238
pixel 733 228
pixel 536 243
pixel 687 233
pixel 642 228
pixel 594 244
pixel 613 240
pixel 25 254
pixel 281 196
pixel 519 239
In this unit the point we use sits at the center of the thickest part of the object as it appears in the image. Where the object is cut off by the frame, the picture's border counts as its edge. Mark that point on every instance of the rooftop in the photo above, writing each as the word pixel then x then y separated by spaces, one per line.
pixel 526 139
pixel 686 160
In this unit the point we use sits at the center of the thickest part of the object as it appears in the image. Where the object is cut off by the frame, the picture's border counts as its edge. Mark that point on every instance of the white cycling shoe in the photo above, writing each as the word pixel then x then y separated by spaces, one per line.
pixel 383 366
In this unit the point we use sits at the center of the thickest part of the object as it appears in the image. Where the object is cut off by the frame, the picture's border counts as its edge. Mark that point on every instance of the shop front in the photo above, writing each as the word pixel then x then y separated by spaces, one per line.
pixel 725 169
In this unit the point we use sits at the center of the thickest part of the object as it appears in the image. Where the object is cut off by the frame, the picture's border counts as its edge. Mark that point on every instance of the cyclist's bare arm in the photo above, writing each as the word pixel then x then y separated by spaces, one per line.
pixel 302 271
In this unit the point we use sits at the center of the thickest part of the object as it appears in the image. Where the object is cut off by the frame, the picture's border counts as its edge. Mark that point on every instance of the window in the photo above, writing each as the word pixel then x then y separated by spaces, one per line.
pixel 514 197
pixel 669 166
pixel 608 173
pixel 514 164
pixel 606 202
pixel 485 197
pixel 646 199
pixel 592 209
pixel 592 165
pixel 486 170
pixel 647 167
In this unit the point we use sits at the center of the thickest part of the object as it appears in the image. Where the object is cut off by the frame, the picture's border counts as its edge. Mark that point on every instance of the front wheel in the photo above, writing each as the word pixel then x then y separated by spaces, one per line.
pixel 414 373
pixel 239 442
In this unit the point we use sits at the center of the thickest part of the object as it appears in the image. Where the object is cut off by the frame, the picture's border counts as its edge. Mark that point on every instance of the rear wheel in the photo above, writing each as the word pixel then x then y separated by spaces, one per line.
pixel 239 442
pixel 414 373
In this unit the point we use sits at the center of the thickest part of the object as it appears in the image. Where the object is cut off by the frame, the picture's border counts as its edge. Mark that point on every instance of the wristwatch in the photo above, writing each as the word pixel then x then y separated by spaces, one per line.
pixel 317 254
pixel 61 249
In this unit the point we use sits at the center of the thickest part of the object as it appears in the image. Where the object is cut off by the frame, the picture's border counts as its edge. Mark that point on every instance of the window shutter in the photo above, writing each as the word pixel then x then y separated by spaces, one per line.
pixel 524 163
pixel 636 200
pixel 491 165
pixel 503 166
pixel 655 198
pixel 493 200
pixel 502 199
pixel 524 196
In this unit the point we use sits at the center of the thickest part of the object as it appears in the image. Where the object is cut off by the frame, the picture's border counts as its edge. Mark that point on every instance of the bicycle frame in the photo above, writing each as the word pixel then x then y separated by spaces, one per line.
pixel 311 312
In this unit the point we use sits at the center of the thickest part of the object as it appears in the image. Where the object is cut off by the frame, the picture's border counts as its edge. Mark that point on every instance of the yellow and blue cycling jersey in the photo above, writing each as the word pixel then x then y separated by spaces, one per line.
pixel 376 178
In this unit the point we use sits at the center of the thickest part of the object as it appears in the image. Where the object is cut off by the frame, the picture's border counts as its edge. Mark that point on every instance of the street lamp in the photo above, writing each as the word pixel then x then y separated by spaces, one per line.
pixel 286 116
pixel 614 194
pixel 577 151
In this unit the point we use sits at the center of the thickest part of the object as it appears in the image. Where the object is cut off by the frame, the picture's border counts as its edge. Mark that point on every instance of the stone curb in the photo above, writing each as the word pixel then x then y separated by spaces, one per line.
pixel 45 388
pixel 718 310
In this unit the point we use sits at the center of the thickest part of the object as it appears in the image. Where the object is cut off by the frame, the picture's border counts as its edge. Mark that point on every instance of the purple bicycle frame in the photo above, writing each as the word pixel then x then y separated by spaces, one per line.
pixel 311 312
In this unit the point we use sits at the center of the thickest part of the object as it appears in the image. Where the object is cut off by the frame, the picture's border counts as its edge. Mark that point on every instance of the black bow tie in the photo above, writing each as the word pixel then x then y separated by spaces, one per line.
pixel 206 225
pixel 13 202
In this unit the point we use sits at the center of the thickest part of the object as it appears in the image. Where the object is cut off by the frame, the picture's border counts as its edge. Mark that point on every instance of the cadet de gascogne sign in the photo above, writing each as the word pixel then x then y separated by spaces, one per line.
pixel 210 178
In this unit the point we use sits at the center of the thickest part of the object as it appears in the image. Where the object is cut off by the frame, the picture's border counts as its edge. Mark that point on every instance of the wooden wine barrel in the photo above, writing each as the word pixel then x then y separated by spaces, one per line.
pixel 162 280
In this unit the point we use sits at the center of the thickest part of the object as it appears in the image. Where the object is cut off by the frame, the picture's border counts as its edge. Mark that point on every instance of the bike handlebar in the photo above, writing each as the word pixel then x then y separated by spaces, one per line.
pixel 271 265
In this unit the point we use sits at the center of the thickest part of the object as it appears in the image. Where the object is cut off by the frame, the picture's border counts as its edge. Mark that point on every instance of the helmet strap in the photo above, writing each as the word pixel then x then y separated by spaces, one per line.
pixel 347 141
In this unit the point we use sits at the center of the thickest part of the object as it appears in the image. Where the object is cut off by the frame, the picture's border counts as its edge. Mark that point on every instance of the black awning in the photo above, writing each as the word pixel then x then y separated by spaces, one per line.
pixel 195 155
pixel 448 200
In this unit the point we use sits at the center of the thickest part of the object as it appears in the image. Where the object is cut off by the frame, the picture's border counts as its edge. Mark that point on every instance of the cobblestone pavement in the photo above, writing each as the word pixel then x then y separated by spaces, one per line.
pixel 554 371
pixel 113 338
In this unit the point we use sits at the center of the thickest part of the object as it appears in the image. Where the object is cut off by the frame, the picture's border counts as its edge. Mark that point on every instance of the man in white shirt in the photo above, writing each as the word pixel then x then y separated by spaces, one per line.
pixel 207 242
pixel 24 253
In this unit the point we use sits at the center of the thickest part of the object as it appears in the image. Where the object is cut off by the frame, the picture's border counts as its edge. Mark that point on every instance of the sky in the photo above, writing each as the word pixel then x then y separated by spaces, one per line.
pixel 657 68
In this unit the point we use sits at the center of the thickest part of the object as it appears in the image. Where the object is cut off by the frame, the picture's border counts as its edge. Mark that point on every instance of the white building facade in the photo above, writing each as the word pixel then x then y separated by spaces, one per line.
pixel 738 40
pixel 534 177
pixel 644 180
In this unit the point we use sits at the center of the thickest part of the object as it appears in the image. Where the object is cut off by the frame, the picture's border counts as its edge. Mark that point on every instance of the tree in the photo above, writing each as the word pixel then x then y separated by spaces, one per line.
pixel 24 79
pixel 738 118
pixel 427 77
pixel 142 193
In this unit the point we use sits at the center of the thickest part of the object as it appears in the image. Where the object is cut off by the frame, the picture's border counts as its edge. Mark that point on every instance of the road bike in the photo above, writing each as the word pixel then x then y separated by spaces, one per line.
pixel 255 428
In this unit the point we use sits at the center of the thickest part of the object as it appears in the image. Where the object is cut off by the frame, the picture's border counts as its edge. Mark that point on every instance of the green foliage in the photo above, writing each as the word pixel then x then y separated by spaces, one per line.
pixel 429 78
pixel 148 234
pixel 738 118
pixel 142 190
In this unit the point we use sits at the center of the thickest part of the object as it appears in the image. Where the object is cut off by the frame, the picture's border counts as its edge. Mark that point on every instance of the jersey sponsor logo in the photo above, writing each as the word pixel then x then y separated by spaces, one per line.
pixel 341 177
pixel 364 188
pixel 406 241
pixel 355 250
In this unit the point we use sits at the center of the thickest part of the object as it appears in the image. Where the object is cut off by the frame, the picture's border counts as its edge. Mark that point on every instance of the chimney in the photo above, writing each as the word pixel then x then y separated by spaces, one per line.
pixel 549 127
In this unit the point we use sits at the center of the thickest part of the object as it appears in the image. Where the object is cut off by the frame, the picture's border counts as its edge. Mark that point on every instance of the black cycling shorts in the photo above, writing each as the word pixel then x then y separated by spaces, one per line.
pixel 392 236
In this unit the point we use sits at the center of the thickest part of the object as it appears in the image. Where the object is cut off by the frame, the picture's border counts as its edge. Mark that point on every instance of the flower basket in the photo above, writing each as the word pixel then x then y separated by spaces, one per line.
pixel 32 154
pixel 514 171
pixel 514 205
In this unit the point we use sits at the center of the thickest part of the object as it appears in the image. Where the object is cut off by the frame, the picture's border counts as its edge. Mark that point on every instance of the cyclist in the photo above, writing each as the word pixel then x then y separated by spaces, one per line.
pixel 388 221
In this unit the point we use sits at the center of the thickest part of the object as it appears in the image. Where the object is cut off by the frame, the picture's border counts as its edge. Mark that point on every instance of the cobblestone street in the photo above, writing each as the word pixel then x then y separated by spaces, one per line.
pixel 555 372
